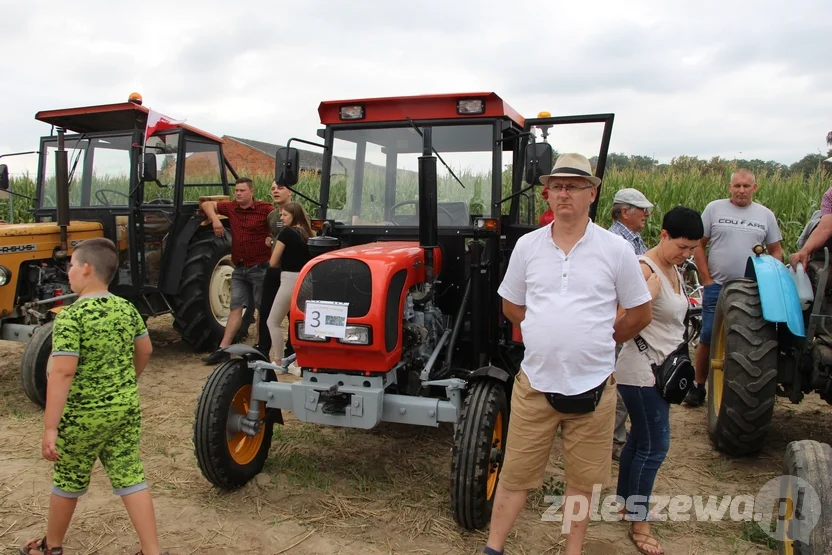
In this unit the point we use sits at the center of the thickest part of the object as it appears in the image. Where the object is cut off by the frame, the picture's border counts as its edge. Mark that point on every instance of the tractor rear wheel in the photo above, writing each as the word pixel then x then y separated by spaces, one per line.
pixel 34 363
pixel 810 461
pixel 480 440
pixel 203 301
pixel 742 379
pixel 227 456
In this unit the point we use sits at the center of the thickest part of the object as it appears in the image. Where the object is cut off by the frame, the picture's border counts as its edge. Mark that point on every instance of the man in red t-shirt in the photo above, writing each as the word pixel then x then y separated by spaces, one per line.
pixel 248 219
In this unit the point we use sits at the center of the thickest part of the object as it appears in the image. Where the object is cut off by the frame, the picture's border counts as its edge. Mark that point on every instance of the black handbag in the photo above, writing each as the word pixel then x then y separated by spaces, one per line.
pixel 675 375
pixel 580 403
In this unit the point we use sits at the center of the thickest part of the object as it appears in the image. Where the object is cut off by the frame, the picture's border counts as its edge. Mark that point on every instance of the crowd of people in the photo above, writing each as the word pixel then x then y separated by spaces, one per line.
pixel 268 250
pixel 598 308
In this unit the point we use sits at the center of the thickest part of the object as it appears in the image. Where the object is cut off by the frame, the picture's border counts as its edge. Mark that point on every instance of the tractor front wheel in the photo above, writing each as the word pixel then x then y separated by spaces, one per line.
pixel 742 378
pixel 34 364
pixel 479 445
pixel 227 456
pixel 808 518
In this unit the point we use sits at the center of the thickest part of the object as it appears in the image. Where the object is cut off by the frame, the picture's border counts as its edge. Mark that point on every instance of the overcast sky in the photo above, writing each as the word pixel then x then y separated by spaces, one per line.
pixel 734 79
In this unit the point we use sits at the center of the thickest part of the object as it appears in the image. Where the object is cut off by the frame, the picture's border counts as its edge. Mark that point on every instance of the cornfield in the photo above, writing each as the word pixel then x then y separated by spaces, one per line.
pixel 792 198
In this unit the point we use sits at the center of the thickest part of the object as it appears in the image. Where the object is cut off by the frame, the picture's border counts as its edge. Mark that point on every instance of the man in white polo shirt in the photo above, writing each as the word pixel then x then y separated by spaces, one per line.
pixel 563 286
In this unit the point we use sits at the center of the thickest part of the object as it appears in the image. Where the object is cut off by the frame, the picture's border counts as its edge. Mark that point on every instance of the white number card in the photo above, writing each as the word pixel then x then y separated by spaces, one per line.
pixel 326 319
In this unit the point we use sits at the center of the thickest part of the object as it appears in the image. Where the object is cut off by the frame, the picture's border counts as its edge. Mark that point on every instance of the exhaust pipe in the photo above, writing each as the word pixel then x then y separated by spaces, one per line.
pixel 62 192
pixel 428 211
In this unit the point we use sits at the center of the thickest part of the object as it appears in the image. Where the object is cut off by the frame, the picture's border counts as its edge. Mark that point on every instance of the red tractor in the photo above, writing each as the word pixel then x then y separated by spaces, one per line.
pixel 397 318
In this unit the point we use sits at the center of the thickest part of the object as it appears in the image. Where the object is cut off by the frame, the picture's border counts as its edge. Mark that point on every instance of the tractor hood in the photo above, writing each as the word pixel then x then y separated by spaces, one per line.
pixel 374 280
pixel 384 252
pixel 38 240
pixel 45 228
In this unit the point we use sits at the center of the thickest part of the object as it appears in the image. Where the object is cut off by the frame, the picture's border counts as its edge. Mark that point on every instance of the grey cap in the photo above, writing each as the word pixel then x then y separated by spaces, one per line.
pixel 633 197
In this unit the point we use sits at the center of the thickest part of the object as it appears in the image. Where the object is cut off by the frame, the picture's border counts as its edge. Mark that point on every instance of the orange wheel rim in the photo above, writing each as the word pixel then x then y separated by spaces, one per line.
pixel 497 442
pixel 243 447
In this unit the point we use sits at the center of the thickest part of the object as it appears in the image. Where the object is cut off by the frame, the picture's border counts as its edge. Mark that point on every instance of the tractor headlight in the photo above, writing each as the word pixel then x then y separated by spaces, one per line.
pixel 300 331
pixel 356 335
pixel 5 275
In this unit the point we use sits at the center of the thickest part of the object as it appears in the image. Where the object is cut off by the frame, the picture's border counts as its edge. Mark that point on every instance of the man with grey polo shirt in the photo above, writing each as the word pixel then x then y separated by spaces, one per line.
pixel 630 210
pixel 563 286
pixel 732 226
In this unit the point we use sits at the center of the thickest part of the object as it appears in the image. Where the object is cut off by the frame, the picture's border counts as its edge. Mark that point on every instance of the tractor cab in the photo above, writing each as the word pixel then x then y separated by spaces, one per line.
pixel 457 172
pixel 134 176
pixel 141 191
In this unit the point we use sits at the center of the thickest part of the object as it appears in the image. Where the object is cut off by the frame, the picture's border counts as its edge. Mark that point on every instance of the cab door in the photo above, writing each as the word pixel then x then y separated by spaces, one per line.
pixel 543 138
pixel 546 137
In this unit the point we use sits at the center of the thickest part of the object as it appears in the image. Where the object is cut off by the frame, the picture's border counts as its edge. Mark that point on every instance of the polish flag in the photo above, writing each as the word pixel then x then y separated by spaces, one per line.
pixel 159 122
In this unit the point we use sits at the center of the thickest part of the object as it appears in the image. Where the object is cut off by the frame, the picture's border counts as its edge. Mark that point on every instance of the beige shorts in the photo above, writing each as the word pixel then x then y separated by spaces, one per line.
pixel 587 440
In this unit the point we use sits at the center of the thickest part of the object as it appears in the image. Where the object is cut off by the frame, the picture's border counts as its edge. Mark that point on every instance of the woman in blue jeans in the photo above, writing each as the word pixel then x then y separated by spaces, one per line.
pixel 649 438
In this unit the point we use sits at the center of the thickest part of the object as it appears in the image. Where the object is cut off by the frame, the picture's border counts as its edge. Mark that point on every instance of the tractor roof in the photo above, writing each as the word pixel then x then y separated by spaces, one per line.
pixel 124 116
pixel 421 107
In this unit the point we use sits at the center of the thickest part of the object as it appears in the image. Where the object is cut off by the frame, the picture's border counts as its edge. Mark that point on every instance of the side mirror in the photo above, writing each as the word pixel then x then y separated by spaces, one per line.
pixel 286 166
pixel 538 161
pixel 4 177
pixel 149 173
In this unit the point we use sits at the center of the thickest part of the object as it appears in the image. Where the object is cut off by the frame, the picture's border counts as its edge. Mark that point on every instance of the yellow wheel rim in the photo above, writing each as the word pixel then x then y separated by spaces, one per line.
pixel 497 442
pixel 788 546
pixel 243 447
pixel 718 366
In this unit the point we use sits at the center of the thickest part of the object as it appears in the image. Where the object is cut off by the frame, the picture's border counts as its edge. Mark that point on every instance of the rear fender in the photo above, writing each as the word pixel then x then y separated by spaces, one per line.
pixel 778 293
pixel 489 372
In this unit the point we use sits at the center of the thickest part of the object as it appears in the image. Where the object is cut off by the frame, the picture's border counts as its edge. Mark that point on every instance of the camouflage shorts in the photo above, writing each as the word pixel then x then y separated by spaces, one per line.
pixel 111 436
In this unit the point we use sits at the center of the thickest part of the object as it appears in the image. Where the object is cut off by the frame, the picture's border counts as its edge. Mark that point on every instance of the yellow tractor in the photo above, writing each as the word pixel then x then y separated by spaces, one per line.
pixel 99 175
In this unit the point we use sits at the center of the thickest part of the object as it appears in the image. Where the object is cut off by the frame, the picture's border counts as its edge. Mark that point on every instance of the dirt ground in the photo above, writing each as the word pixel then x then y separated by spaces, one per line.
pixel 327 490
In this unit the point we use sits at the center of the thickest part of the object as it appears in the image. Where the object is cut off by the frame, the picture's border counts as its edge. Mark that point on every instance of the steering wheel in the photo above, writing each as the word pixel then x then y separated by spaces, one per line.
pixel 415 203
pixel 160 201
pixel 103 199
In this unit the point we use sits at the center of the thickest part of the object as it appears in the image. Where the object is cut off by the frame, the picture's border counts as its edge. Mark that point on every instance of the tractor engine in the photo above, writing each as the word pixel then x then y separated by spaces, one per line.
pixel 47 280
pixel 391 321
pixel 422 327
pixel 40 281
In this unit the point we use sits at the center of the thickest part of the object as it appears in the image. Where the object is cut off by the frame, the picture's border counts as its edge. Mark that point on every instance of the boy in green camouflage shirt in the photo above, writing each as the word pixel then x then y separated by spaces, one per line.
pixel 100 346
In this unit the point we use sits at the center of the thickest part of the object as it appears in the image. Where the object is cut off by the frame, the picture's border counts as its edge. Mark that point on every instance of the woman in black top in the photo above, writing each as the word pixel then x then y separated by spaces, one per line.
pixel 291 253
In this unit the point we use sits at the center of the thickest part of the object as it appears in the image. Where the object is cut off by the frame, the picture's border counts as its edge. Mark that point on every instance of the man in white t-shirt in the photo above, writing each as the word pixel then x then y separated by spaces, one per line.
pixel 563 286
pixel 732 227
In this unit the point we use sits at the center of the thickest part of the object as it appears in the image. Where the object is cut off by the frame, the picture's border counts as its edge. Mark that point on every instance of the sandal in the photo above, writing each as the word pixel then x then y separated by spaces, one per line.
pixel 38 547
pixel 650 540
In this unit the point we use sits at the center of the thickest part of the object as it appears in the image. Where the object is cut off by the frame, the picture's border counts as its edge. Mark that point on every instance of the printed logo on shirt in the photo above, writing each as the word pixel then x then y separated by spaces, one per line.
pixel 742 223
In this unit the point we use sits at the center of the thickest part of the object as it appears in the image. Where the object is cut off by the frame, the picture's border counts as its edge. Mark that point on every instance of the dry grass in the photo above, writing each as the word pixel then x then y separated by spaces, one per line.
pixel 384 489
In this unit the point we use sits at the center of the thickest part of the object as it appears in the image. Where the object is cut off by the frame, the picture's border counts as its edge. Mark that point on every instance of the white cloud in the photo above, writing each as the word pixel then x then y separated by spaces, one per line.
pixel 709 78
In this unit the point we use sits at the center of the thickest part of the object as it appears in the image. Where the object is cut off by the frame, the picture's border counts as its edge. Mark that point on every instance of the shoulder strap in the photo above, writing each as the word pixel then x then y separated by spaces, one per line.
pixel 647 262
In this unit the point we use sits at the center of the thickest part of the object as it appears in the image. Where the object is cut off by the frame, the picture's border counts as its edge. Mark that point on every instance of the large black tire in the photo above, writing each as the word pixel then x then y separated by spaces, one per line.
pixel 34 362
pixel 199 309
pixel 479 445
pixel 214 438
pixel 742 377
pixel 810 461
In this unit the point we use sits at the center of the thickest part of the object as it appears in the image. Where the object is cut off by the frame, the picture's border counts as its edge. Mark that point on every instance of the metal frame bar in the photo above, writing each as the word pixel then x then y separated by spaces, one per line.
pixel 368 402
